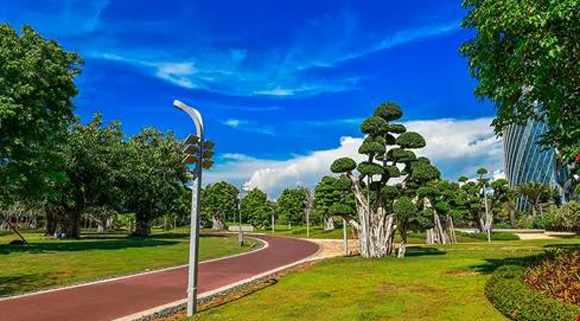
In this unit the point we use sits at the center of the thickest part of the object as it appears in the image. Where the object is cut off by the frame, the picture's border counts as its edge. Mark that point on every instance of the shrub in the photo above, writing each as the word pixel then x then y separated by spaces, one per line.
pixel 511 296
pixel 502 225
pixel 557 276
pixel 566 218
pixel 495 236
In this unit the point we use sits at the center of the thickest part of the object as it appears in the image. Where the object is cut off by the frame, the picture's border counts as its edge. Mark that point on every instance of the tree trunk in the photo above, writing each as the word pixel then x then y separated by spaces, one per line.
pixel 71 224
pixel 513 219
pixel 51 221
pixel 439 231
pixel 451 229
pixel 328 223
pixel 217 223
pixel 403 245
pixel 376 234
pixel 142 225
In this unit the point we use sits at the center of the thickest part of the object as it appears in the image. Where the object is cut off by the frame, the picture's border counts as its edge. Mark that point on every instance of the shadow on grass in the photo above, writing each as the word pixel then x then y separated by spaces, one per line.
pixel 73 246
pixel 416 251
pixel 564 246
pixel 492 264
pixel 14 284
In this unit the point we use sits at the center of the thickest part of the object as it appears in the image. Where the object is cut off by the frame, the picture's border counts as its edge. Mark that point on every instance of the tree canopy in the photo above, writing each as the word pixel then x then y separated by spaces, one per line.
pixel 36 91
pixel 257 209
pixel 292 204
pixel 525 55
pixel 153 176
pixel 218 202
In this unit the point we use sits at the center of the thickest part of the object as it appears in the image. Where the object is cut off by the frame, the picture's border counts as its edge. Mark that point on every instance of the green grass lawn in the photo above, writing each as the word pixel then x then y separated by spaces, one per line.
pixel 433 283
pixel 48 262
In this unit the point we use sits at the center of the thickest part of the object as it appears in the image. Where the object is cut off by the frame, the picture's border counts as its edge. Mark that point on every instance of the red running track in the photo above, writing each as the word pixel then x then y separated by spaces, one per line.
pixel 117 298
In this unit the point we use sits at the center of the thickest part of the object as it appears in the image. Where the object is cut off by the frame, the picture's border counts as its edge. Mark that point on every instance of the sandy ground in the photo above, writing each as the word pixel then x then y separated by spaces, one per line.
pixel 533 236
pixel 332 248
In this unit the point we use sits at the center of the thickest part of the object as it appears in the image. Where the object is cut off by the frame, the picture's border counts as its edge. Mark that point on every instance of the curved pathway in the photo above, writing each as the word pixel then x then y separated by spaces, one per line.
pixel 124 296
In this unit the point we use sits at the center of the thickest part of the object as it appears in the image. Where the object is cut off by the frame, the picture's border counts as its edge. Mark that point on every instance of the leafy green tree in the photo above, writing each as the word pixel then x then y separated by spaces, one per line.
pixel 324 196
pixel 36 91
pixel 218 202
pixel 525 56
pixel 94 155
pixel 153 177
pixel 387 149
pixel 257 209
pixel 292 205
pixel 532 192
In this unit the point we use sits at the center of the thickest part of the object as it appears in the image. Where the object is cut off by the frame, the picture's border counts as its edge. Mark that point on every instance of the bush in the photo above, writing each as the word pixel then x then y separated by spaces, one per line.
pixel 508 293
pixel 502 225
pixel 558 276
pixel 495 236
pixel 566 218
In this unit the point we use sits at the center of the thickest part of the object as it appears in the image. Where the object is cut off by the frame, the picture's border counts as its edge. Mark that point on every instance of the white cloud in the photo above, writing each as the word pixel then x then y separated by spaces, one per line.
pixel 248 126
pixel 457 147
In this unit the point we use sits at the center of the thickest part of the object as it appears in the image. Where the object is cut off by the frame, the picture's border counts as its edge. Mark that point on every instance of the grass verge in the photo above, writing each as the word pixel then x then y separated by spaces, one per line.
pixel 52 263
pixel 434 283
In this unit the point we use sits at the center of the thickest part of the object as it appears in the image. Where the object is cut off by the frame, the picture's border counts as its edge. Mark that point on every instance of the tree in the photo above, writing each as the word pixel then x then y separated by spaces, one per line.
pixel 387 149
pixel 218 201
pixel 533 193
pixel 525 56
pixel 257 209
pixel 36 91
pixel 442 206
pixel 102 215
pixel 292 205
pixel 324 196
pixel 93 156
pixel 153 177
pixel 487 219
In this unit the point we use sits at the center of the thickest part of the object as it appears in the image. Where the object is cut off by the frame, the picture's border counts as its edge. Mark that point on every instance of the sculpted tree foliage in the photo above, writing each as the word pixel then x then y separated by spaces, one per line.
pixel 525 55
pixel 387 149
pixel 292 205
pixel 324 196
pixel 36 91
pixel 153 177
pixel 257 209
pixel 94 155
pixel 533 193
pixel 218 202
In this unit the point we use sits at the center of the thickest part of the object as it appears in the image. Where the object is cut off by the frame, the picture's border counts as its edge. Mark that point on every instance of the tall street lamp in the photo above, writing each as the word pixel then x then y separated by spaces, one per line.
pixel 197 153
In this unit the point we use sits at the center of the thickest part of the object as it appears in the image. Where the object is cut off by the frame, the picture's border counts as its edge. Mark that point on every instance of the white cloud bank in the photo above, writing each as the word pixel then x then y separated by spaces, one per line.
pixel 457 147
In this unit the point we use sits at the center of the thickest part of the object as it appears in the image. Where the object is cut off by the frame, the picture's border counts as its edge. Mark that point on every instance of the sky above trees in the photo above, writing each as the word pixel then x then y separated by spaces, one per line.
pixel 283 85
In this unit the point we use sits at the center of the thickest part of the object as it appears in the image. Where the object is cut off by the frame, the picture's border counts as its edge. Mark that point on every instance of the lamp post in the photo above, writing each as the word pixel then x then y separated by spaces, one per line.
pixel 198 152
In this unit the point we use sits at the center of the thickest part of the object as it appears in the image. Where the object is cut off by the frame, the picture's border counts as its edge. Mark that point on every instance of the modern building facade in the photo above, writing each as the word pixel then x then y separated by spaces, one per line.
pixel 526 161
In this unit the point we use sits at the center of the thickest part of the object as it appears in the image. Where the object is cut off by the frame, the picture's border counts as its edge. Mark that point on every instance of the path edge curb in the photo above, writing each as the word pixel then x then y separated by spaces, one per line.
pixel 180 305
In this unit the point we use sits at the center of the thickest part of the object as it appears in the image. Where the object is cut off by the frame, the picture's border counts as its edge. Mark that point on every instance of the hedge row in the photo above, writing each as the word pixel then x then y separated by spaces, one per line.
pixel 495 236
pixel 508 293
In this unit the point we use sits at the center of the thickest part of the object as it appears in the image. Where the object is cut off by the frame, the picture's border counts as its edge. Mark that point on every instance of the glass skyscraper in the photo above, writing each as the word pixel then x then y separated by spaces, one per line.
pixel 527 161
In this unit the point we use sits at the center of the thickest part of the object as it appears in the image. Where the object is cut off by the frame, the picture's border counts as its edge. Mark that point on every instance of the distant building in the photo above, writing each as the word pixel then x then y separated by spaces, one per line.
pixel 527 161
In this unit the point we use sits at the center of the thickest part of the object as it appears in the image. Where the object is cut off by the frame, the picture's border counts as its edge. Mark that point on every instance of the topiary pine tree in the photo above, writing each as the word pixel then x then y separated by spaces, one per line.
pixel 387 148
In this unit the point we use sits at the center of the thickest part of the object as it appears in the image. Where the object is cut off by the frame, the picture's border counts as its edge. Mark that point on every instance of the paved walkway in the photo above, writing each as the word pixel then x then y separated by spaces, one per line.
pixel 117 298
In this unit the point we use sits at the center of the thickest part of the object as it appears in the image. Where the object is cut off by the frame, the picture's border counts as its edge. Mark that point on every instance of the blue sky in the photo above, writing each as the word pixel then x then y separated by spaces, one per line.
pixel 278 82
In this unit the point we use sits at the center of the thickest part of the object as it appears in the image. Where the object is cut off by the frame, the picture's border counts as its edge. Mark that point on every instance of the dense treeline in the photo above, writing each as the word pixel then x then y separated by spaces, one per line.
pixel 56 172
